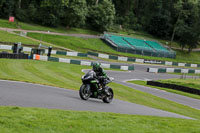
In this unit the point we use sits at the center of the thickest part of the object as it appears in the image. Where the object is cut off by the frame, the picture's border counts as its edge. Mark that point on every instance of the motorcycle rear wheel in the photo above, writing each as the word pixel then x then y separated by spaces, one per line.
pixel 84 91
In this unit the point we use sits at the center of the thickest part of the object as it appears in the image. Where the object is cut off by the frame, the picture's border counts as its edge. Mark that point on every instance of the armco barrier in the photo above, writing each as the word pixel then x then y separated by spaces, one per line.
pixel 172 70
pixel 175 87
pixel 142 60
pixel 78 62
pixel 27 49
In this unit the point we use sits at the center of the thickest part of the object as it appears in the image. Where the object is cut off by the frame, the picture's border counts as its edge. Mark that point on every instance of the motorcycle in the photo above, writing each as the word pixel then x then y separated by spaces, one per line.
pixel 91 88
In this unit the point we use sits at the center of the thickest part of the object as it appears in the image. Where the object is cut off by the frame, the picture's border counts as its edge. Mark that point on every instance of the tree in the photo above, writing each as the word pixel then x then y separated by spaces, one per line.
pixel 188 29
pixel 7 8
pixel 101 16
pixel 159 23
pixel 178 9
pixel 50 12
pixel 159 26
pixel 75 13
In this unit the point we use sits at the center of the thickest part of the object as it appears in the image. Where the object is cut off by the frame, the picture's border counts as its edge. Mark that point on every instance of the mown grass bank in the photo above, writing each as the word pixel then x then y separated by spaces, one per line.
pixel 144 83
pixel 69 76
pixel 96 45
pixel 25 26
pixel 37 120
pixel 12 38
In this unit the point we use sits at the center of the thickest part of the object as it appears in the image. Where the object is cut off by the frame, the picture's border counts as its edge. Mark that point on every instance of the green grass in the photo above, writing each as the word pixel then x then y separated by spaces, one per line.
pixel 74 43
pixel 193 83
pixel 88 44
pixel 38 120
pixel 63 75
pixel 84 45
pixel 144 83
pixel 183 56
pixel 25 26
pixel 47 73
pixel 12 38
pixel 6 24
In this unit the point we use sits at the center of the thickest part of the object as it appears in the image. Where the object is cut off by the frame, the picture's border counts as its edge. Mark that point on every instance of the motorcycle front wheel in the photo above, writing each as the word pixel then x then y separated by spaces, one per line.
pixel 108 96
pixel 84 91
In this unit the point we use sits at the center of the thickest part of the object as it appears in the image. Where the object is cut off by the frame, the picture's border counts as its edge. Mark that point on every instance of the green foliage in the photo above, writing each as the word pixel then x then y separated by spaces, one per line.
pixel 21 14
pixel 175 19
pixel 159 25
pixel 188 29
pixel 101 15
pixel 50 11
pixel 7 8
pixel 32 10
pixel 75 13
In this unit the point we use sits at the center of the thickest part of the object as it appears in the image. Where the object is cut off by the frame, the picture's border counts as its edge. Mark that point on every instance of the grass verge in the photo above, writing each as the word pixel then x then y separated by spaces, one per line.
pixel 193 83
pixel 69 76
pixel 32 120
pixel 144 83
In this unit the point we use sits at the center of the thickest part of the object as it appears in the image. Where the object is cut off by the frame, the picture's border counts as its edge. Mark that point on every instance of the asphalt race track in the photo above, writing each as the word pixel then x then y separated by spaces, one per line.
pixel 121 78
pixel 31 95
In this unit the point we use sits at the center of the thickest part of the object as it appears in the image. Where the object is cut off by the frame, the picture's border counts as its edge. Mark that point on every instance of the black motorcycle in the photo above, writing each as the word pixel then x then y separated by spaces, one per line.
pixel 92 88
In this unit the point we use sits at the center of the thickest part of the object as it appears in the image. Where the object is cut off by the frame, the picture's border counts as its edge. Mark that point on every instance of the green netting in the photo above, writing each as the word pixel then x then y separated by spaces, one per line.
pixel 191 71
pixel 61 52
pixel 162 70
pixel 119 41
pixel 156 46
pixel 188 65
pixel 53 59
pixel 147 53
pixel 137 46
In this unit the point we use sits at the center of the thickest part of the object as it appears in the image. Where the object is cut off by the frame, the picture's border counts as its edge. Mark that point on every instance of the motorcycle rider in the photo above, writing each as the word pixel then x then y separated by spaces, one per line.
pixel 100 74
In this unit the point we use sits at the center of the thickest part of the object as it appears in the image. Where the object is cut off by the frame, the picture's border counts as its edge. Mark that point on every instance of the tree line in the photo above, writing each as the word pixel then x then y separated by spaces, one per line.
pixel 170 19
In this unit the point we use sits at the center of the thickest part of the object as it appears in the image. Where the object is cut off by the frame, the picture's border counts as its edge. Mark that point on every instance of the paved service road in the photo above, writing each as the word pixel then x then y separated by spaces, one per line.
pixel 31 95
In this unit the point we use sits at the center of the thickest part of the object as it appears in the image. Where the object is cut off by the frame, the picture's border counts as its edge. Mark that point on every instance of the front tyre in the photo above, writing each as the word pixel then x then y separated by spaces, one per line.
pixel 84 91
pixel 108 95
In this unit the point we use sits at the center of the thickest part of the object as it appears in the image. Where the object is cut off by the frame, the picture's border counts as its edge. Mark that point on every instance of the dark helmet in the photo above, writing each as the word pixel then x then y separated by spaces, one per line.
pixel 96 66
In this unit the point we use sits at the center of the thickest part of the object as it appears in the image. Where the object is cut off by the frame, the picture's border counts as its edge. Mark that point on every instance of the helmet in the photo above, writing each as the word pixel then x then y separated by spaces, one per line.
pixel 96 66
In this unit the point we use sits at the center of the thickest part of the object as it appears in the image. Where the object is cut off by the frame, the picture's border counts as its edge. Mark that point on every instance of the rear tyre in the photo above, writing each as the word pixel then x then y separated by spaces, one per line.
pixel 108 96
pixel 84 91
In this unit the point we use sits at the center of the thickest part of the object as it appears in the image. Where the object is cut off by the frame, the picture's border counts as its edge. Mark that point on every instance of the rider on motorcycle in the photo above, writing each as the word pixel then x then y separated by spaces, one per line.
pixel 100 74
